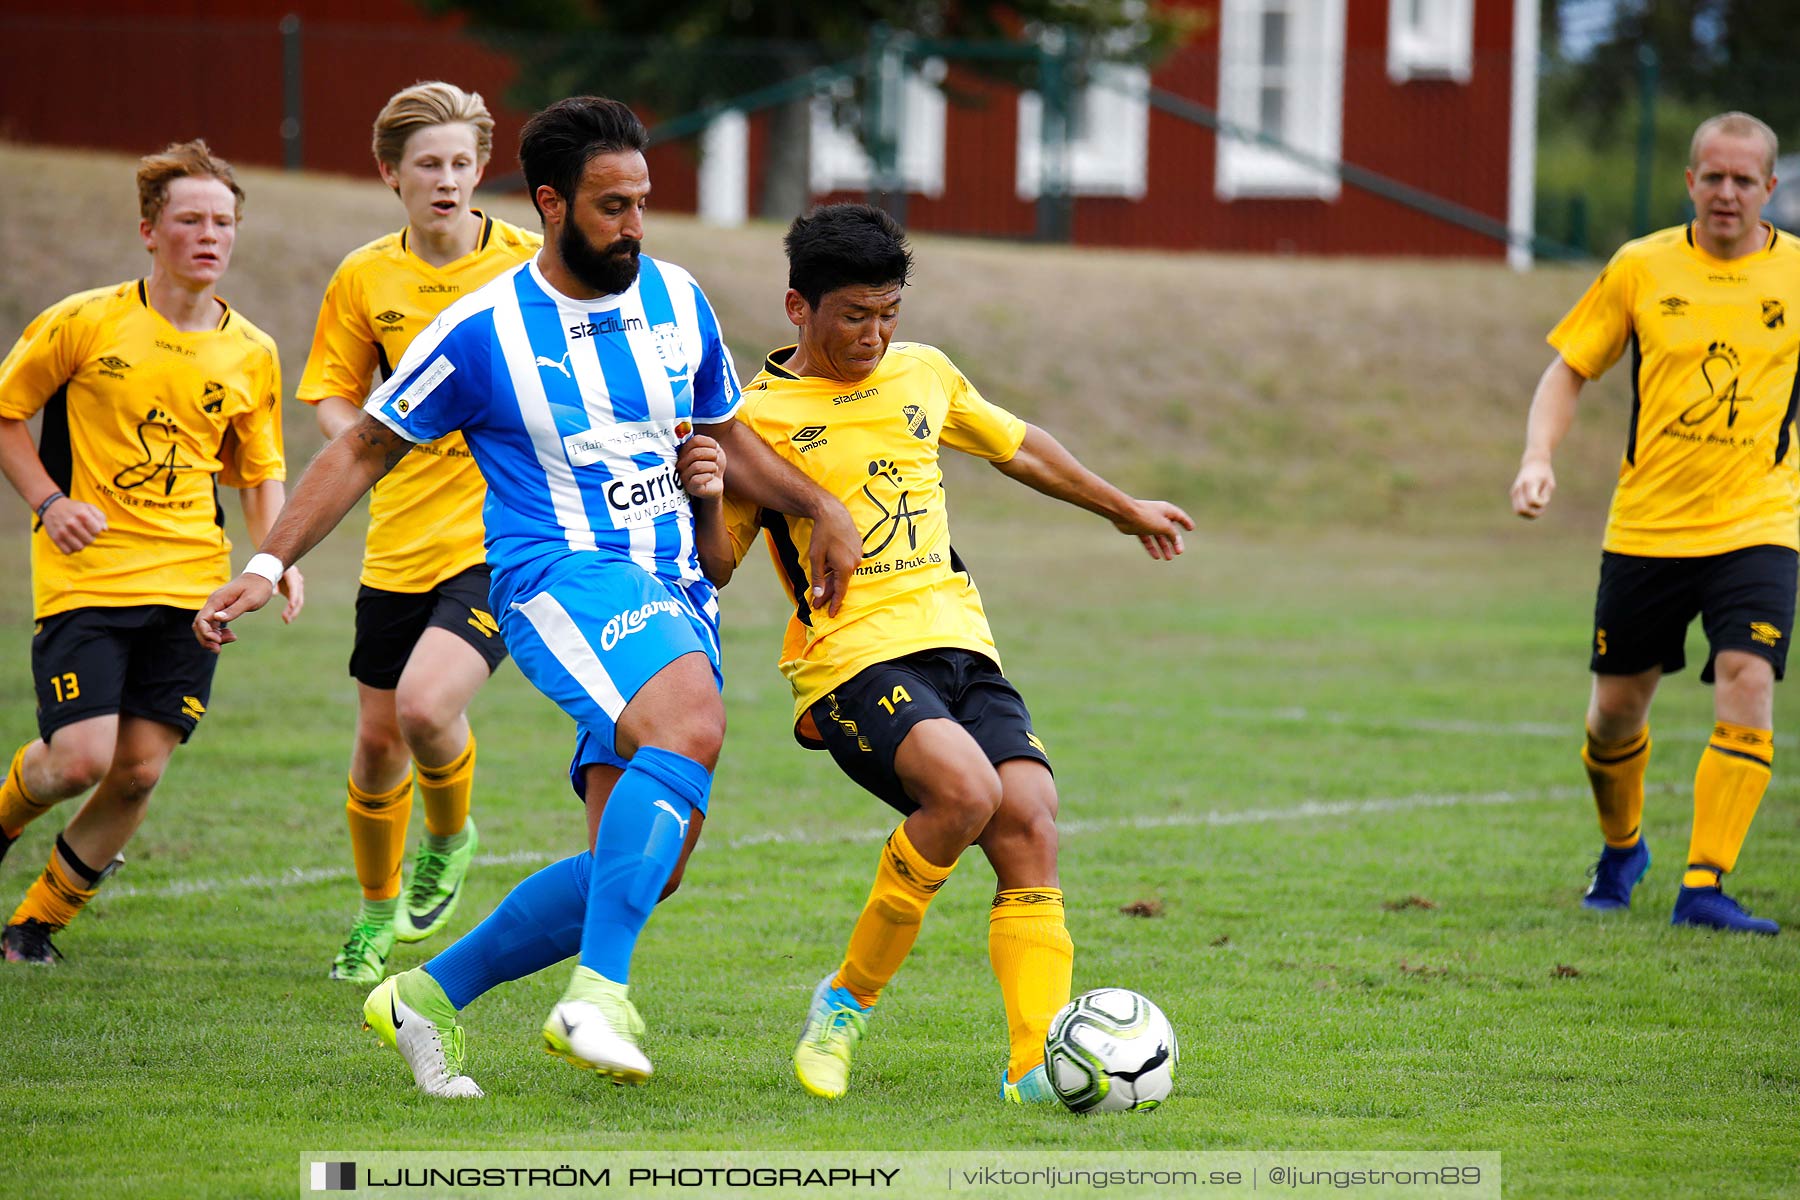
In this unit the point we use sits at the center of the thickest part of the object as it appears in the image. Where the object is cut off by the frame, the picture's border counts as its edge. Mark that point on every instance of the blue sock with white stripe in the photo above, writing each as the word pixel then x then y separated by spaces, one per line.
pixel 537 925
pixel 639 842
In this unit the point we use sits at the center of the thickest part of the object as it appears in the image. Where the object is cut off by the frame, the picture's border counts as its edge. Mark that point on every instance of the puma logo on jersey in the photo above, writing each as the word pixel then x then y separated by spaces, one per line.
pixel 670 809
pixel 561 364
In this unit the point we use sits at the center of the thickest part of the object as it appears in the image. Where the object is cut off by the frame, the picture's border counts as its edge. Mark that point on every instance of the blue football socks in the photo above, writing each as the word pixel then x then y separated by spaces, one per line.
pixel 537 925
pixel 639 842
pixel 555 912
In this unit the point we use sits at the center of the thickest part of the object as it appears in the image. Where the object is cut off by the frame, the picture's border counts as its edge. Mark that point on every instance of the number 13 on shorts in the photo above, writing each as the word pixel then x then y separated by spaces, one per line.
pixel 66 686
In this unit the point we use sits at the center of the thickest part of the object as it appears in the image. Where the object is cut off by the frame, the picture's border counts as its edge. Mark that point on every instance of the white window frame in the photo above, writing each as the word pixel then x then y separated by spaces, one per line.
pixel 724 181
pixel 1313 107
pixel 841 164
pixel 1111 156
pixel 1431 39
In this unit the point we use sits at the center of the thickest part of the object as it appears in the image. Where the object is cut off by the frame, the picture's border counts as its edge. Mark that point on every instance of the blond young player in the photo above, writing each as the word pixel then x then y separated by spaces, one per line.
pixel 425 638
pixel 1704 517
pixel 903 684
pixel 152 391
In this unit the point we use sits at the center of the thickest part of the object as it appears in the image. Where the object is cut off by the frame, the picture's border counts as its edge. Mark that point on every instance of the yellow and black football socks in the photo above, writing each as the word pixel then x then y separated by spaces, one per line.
pixel 378 837
pixel 445 793
pixel 60 892
pixel 1734 771
pixel 1034 960
pixel 889 924
pixel 1616 771
pixel 18 807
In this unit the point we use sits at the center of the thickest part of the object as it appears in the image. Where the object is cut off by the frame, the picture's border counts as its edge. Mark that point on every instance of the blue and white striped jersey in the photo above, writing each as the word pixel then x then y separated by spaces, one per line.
pixel 573 410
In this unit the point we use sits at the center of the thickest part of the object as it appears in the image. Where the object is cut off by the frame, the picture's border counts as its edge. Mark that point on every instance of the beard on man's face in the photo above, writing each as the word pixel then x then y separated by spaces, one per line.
pixel 609 269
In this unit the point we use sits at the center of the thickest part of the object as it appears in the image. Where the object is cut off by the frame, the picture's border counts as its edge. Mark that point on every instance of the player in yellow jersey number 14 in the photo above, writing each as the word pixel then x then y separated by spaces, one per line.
pixel 904 685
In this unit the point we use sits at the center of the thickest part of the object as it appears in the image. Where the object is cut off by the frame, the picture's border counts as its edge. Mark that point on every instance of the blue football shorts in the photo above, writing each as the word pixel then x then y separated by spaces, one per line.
pixel 594 630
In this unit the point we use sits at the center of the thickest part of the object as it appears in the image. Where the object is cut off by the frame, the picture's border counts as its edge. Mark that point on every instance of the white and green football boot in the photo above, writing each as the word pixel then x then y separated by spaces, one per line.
pixel 412 1014
pixel 835 1022
pixel 596 1027
pixel 435 888
pixel 364 956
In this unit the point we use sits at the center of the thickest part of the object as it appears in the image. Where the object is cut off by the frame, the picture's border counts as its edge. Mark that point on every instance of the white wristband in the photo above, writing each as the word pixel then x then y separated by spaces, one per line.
pixel 266 565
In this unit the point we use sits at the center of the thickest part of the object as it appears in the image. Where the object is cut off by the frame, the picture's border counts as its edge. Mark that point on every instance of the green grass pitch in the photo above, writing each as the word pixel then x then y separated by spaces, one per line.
pixel 1345 768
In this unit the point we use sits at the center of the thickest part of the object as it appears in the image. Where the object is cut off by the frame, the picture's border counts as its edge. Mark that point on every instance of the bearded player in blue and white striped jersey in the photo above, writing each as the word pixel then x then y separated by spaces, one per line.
pixel 596 396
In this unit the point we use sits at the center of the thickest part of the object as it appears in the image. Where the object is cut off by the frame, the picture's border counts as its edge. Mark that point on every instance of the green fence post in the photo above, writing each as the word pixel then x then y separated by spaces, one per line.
pixel 1646 147
pixel 1053 224
pixel 884 99
pixel 292 94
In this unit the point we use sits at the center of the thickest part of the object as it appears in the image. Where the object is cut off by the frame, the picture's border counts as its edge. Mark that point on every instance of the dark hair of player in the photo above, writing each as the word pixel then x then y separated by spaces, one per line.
pixel 845 245
pixel 557 143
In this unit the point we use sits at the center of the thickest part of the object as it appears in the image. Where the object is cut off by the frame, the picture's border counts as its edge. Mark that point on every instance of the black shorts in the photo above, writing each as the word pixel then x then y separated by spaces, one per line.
pixel 390 624
pixel 863 720
pixel 1745 600
pixel 139 661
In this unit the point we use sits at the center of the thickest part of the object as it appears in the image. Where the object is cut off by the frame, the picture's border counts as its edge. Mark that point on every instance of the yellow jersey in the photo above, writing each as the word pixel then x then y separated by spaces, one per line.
pixel 143 420
pixel 425 516
pixel 1709 464
pixel 874 445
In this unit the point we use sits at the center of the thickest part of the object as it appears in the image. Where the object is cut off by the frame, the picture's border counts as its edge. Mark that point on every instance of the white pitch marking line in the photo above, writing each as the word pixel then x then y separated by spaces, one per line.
pixel 294 877
pixel 1568 730
pixel 1309 810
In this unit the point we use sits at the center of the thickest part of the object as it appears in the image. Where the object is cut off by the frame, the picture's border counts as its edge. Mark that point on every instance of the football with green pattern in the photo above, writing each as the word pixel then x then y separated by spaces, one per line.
pixel 1111 1050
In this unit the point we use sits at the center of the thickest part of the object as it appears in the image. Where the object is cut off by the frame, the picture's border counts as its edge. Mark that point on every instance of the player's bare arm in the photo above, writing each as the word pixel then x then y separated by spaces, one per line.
pixel 1552 412
pixel 262 505
pixel 1045 464
pixel 762 477
pixel 342 473
pixel 336 415
pixel 71 524
pixel 701 465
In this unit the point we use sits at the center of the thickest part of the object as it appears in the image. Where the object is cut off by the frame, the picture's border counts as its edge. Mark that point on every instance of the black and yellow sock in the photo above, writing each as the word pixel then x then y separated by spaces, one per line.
pixel 18 807
pixel 445 793
pixel 60 891
pixel 1616 771
pixel 378 836
pixel 1734 771
pixel 889 923
pixel 1034 960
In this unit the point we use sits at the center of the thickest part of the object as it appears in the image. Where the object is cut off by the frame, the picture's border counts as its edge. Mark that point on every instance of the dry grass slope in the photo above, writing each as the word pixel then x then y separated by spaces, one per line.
pixel 1266 391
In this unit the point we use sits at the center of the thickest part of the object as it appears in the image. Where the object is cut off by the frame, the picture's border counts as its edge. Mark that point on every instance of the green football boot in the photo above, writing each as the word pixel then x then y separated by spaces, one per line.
pixel 435 889
pixel 1033 1087
pixel 834 1024
pixel 364 956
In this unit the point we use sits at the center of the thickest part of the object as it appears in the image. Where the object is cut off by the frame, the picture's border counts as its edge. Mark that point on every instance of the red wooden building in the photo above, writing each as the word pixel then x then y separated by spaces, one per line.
pixel 1433 95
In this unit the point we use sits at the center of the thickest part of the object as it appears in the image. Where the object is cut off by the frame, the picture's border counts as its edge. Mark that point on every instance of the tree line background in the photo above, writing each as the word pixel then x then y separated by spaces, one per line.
pixel 1623 82
pixel 1616 112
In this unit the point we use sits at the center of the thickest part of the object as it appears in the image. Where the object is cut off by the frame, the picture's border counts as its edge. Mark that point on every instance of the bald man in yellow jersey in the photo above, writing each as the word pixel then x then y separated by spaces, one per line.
pixel 152 392
pixel 1704 519
pixel 425 638
pixel 903 685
